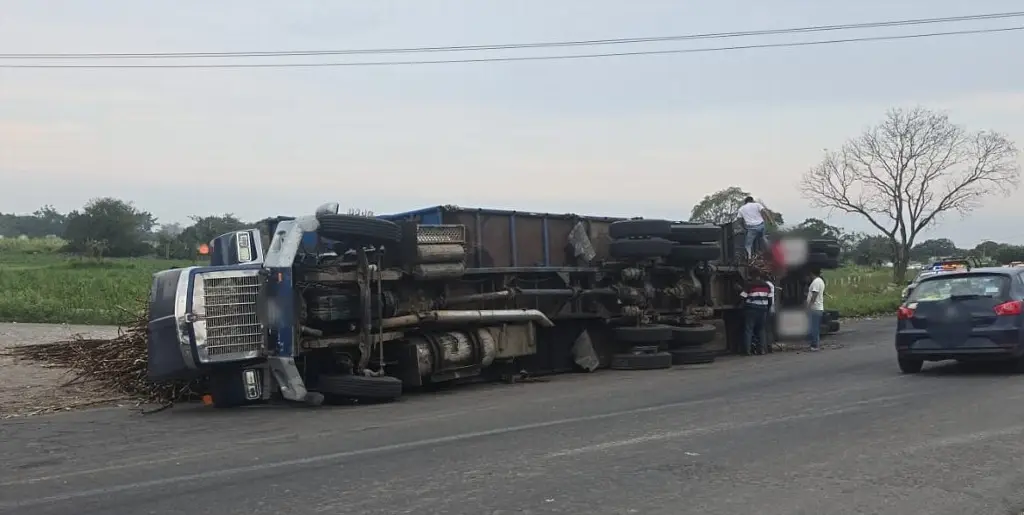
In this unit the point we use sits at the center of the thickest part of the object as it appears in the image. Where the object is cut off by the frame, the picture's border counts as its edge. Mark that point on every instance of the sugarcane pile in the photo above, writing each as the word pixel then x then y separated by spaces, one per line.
pixel 118 364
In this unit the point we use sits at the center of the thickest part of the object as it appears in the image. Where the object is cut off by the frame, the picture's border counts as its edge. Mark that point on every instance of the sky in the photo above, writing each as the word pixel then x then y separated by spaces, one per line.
pixel 622 136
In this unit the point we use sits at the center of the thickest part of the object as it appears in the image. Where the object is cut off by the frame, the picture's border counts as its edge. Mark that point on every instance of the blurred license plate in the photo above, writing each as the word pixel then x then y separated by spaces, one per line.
pixel 792 323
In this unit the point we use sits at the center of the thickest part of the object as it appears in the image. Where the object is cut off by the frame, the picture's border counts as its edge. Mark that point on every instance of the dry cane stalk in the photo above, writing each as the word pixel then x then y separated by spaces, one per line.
pixel 118 363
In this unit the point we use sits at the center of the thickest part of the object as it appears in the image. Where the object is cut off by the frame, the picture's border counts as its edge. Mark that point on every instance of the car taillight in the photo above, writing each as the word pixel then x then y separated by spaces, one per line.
pixel 904 313
pixel 1014 307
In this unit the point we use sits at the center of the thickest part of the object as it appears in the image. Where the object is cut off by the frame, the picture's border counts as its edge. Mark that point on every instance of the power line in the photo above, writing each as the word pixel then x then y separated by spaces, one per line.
pixel 524 58
pixel 511 46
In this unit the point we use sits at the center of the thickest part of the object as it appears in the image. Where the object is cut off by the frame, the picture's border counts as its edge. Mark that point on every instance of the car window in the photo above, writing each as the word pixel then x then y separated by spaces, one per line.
pixel 942 288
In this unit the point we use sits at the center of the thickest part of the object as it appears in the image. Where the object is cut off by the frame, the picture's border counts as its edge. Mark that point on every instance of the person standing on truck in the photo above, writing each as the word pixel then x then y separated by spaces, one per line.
pixel 755 218
pixel 815 308
pixel 757 303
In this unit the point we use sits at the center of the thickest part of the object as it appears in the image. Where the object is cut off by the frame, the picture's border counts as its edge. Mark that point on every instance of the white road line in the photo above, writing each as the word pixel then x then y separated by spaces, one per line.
pixel 727 426
pixel 324 458
pixel 233 446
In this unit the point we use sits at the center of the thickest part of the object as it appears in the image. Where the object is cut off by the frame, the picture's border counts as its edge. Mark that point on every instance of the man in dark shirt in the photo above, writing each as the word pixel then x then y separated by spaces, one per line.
pixel 757 302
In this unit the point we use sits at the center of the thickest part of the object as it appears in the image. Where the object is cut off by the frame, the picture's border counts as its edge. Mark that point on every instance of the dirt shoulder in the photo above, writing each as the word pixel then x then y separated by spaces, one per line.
pixel 32 388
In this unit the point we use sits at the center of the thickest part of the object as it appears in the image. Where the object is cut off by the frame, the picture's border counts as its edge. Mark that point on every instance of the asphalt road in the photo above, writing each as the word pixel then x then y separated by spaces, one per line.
pixel 834 432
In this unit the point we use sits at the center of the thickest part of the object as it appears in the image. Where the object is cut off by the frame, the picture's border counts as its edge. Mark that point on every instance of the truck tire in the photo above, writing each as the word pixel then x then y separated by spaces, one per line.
pixel 651 361
pixel 640 229
pixel 694 335
pixel 828 247
pixel 822 260
pixel 833 327
pixel 640 249
pixel 695 253
pixel 644 334
pixel 703 233
pixel 351 227
pixel 692 356
pixel 350 386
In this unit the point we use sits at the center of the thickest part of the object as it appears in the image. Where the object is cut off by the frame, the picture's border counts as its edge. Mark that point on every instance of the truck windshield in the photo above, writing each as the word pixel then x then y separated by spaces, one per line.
pixel 974 285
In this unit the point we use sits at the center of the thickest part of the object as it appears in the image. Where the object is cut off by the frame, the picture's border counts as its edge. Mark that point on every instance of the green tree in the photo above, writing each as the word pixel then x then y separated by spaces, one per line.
pixel 45 221
pixel 1008 253
pixel 904 174
pixel 872 251
pixel 109 227
pixel 986 250
pixel 940 247
pixel 169 243
pixel 814 228
pixel 721 207
pixel 206 228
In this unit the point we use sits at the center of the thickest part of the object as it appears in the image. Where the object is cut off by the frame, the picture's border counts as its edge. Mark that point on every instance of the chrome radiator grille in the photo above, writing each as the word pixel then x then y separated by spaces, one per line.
pixel 232 326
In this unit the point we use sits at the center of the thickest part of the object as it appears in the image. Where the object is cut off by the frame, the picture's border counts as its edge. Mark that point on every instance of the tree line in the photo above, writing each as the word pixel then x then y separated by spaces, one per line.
pixel 110 227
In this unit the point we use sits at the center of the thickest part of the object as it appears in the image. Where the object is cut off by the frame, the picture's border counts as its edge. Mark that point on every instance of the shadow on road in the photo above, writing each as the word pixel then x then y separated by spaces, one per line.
pixel 972 369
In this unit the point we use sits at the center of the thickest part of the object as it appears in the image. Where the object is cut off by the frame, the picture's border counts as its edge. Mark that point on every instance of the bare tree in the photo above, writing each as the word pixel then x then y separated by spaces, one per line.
pixel 905 173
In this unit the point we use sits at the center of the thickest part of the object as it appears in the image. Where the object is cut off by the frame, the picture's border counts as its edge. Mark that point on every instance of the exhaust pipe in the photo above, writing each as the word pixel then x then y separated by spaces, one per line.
pixel 468 317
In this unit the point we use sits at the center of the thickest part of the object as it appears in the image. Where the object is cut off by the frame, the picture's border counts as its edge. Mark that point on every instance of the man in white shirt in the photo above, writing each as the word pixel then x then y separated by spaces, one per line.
pixel 754 216
pixel 815 308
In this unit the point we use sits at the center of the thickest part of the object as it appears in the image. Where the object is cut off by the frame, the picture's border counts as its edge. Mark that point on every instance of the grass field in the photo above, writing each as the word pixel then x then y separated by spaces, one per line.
pixel 861 291
pixel 37 284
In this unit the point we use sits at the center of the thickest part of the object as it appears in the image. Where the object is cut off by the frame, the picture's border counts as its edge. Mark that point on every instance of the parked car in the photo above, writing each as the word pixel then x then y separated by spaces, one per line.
pixel 967 315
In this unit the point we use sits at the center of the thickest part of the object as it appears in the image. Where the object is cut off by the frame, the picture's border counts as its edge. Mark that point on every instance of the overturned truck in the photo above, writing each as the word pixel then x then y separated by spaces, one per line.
pixel 342 306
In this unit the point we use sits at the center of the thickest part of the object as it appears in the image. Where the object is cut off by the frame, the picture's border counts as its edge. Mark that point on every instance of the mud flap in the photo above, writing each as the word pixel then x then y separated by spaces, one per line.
pixel 289 381
pixel 582 247
pixel 583 353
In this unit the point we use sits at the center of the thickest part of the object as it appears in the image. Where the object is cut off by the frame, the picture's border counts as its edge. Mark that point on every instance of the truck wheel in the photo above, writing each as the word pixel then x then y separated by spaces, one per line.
pixel 693 357
pixel 640 249
pixel 640 229
pixel 703 233
pixel 820 259
pixel 695 253
pixel 833 327
pixel 652 361
pixel 689 336
pixel 643 334
pixel 910 366
pixel 351 227
pixel 828 247
pixel 350 386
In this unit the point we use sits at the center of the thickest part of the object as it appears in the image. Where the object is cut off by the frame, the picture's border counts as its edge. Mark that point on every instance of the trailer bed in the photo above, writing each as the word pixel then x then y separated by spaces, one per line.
pixel 515 240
